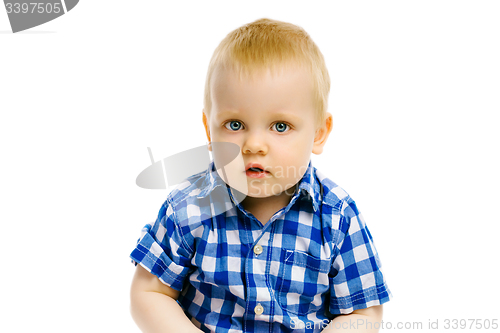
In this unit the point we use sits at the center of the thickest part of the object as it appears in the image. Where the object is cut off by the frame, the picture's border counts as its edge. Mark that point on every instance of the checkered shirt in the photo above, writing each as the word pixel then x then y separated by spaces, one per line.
pixel 313 258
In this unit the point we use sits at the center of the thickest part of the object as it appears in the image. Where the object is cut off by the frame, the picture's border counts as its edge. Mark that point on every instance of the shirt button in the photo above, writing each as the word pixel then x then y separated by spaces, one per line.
pixel 257 249
pixel 259 309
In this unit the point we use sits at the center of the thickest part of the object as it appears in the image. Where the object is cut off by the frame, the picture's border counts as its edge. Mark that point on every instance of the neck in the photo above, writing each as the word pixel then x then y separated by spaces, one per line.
pixel 269 205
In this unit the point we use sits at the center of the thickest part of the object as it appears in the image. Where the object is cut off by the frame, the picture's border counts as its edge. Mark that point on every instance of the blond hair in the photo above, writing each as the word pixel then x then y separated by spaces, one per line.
pixel 272 44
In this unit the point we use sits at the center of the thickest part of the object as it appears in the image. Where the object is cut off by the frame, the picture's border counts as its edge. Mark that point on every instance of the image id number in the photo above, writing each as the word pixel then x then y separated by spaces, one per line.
pixel 32 7
pixel 470 324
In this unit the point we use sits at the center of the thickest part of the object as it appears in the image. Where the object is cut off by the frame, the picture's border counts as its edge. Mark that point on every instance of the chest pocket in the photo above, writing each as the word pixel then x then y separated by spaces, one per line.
pixel 303 282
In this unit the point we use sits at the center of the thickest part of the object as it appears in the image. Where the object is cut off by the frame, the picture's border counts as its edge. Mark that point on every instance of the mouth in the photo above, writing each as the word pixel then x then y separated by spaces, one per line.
pixel 255 170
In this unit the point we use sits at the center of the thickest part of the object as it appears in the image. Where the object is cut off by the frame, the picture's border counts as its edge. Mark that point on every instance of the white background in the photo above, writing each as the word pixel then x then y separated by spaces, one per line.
pixel 415 100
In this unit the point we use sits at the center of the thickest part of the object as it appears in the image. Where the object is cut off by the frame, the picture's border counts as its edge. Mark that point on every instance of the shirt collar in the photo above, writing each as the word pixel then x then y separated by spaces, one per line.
pixel 211 181
pixel 308 187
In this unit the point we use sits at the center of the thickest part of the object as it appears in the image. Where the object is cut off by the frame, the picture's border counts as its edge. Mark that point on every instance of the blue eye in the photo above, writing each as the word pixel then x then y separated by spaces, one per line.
pixel 281 127
pixel 233 125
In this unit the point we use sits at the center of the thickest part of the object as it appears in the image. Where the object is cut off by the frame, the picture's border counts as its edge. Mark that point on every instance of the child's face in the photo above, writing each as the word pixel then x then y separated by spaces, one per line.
pixel 272 120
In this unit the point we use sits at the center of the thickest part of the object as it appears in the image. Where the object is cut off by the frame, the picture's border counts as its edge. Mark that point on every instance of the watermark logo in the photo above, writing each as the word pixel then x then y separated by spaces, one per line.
pixel 174 170
pixel 24 15
pixel 228 166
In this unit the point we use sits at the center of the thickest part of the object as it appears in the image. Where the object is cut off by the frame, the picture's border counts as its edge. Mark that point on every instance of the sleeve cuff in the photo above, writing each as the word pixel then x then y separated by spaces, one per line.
pixel 161 266
pixel 363 299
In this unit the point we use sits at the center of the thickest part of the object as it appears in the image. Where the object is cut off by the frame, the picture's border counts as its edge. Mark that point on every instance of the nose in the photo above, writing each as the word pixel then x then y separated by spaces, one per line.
pixel 255 143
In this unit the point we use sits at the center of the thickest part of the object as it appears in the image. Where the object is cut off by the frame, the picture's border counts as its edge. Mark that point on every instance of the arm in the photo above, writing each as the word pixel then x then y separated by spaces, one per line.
pixel 153 305
pixel 357 261
pixel 359 321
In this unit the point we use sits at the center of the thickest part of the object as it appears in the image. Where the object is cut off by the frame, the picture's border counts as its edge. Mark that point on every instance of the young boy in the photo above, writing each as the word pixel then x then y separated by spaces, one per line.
pixel 294 254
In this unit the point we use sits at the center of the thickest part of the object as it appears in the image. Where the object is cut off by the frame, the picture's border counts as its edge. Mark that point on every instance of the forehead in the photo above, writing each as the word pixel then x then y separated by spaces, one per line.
pixel 282 89
pixel 252 72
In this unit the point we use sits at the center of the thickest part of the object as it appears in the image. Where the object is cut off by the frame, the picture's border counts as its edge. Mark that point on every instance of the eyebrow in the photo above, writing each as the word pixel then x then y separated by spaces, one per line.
pixel 283 115
pixel 227 113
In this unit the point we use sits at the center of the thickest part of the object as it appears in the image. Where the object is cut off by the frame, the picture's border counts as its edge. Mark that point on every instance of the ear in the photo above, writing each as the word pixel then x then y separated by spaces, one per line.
pixel 322 134
pixel 207 129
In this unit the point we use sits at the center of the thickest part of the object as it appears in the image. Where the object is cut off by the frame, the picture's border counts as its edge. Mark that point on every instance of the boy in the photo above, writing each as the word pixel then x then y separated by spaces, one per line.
pixel 295 252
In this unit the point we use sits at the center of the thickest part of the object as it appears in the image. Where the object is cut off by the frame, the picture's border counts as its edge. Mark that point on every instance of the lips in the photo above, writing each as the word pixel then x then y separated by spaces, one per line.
pixel 255 167
pixel 255 170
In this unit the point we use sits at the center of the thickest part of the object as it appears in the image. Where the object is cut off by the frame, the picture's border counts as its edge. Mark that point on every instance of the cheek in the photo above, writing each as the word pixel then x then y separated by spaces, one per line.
pixel 296 155
pixel 299 147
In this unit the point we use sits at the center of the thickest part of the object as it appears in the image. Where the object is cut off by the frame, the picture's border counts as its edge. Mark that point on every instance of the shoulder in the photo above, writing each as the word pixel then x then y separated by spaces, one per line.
pixel 338 206
pixel 188 207
pixel 187 189
pixel 334 195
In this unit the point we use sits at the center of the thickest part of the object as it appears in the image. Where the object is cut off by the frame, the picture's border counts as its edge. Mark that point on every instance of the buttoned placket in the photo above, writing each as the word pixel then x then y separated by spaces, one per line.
pixel 260 247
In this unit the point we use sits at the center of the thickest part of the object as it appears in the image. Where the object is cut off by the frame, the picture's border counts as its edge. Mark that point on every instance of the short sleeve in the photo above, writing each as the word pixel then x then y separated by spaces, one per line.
pixel 162 251
pixel 357 279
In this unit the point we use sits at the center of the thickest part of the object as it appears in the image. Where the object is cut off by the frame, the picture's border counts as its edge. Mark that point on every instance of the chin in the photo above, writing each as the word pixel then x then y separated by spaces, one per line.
pixel 257 196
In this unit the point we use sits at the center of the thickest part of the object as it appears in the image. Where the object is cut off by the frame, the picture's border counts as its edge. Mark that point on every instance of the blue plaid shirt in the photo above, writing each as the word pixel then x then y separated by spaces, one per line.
pixel 313 258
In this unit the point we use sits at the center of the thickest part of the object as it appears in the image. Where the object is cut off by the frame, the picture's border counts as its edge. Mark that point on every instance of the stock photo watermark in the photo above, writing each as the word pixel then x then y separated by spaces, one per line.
pixel 430 324
pixel 24 15
pixel 173 170
pixel 252 179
